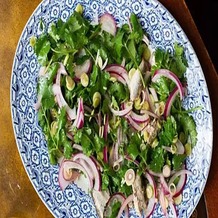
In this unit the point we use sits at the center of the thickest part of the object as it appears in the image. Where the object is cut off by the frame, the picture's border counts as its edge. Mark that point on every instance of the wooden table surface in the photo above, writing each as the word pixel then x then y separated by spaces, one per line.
pixel 17 195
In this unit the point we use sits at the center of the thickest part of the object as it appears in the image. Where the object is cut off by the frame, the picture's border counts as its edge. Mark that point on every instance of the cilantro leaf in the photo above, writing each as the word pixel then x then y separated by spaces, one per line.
pixel 189 127
pixel 134 145
pixel 157 159
pixel 119 91
pixel 178 161
pixel 42 48
pixel 169 131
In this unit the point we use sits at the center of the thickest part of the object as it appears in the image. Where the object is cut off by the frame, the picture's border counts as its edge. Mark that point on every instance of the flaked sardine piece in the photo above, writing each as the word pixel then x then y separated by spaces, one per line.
pixel 139 200
pixel 100 199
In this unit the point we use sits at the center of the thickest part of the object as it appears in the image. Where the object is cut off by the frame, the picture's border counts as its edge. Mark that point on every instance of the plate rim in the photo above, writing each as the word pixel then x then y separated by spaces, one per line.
pixel 201 73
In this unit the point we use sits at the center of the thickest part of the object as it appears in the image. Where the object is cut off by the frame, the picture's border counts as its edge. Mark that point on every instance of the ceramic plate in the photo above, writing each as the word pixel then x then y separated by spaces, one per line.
pixel 163 31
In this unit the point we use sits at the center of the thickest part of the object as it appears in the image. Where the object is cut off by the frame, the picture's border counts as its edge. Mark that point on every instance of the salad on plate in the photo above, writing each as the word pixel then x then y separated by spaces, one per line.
pixel 110 108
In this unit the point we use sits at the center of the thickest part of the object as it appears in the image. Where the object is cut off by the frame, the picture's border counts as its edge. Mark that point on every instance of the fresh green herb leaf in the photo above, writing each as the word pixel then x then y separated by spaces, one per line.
pixel 169 131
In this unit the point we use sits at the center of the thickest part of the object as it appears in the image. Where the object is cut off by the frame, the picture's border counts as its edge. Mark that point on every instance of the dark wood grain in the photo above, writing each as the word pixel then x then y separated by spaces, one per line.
pixel 180 11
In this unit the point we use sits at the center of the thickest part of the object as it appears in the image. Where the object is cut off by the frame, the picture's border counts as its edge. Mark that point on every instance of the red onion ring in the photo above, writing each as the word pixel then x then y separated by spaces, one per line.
pixel 108 23
pixel 124 205
pixel 171 76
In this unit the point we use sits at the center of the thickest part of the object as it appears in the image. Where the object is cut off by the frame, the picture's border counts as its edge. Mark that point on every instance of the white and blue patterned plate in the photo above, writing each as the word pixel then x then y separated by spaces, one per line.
pixel 163 30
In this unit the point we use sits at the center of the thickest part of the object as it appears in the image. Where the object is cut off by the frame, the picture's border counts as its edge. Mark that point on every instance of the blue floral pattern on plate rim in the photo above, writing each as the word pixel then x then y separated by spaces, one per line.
pixel 163 31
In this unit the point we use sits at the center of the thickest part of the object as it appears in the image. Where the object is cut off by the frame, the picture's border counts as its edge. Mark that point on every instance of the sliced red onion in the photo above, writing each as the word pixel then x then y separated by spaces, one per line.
pixel 171 76
pixel 170 101
pixel 62 103
pixel 134 124
pixel 124 205
pixel 108 23
pixel 139 118
pixel 173 209
pixel 63 183
pixel 164 185
pixel 152 201
pixel 149 113
pixel 105 154
pixel 151 181
pixel 162 201
pixel 154 174
pixel 83 68
pixel 127 157
pixel 118 69
pixel 60 98
pixel 116 197
pixel 70 136
pixel 77 147
pixel 79 121
pixel 62 70
pixel 148 98
pixel 87 168
pixel 154 95
pixel 92 165
pixel 123 112
pixel 98 165
pixel 68 165
pixel 182 180
pixel 106 127
pixel 118 77
pixel 150 207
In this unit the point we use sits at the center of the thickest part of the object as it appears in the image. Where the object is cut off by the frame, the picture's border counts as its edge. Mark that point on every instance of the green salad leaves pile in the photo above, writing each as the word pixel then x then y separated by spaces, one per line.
pixel 103 134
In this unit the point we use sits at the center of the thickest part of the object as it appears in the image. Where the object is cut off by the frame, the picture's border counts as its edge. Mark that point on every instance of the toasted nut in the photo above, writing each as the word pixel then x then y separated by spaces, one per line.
pixel 84 80
pixel 149 191
pixel 154 143
pixel 160 109
pixel 137 103
pixel 70 84
pixel 96 99
pixel 145 106
pixel 173 149
pixel 54 126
